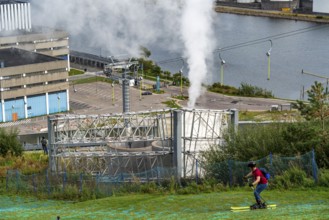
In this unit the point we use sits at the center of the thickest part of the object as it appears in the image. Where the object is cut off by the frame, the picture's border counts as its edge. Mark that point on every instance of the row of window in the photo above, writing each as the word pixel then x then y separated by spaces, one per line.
pixel 14 44
pixel 34 85
pixel 61 70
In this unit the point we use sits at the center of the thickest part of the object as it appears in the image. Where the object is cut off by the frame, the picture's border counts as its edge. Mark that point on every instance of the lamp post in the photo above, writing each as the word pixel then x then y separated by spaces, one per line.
pixel 222 62
pixel 112 93
pixel 268 54
pixel 181 77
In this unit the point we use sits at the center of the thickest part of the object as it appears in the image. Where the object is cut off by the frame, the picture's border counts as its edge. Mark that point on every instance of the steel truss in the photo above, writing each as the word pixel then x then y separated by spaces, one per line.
pixel 89 143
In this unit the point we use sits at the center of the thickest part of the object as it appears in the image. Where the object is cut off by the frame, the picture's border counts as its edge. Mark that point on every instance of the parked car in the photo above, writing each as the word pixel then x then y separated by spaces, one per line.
pixel 147 93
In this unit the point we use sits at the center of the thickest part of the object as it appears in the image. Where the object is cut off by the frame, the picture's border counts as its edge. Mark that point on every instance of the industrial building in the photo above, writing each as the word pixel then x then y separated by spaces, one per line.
pixel 16 30
pixel 321 6
pixel 308 6
pixel 34 65
pixel 31 84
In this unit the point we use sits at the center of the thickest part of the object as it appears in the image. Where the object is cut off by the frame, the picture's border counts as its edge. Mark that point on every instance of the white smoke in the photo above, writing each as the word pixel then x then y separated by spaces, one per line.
pixel 122 26
pixel 197 35
pixel 116 26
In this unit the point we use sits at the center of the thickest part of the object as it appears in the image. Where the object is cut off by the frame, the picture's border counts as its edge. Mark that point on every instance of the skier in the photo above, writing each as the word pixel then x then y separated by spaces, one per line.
pixel 259 181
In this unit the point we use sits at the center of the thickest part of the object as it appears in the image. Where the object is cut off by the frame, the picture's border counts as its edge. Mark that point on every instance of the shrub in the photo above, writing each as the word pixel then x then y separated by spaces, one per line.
pixel 253 91
pixel 323 178
pixel 294 177
pixel 9 143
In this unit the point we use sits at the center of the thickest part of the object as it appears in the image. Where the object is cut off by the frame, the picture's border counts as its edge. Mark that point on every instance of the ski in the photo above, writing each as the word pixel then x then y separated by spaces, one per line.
pixel 248 207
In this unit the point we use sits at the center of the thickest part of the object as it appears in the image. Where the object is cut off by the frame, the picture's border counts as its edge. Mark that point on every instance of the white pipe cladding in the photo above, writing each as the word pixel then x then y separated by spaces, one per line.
pixel 15 17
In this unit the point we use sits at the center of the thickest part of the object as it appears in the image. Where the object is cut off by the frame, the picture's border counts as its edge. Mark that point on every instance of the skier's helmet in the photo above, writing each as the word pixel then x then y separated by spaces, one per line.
pixel 251 164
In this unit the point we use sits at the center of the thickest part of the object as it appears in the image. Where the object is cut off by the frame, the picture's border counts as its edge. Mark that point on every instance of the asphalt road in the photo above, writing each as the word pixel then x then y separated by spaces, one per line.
pixel 101 98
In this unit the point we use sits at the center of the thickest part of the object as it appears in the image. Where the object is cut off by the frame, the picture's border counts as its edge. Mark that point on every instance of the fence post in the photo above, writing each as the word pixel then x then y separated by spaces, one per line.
pixel 7 180
pixel 17 176
pixel 64 179
pixel 97 181
pixel 315 174
pixel 47 183
pixel 81 176
pixel 196 171
pixel 158 179
pixel 33 182
pixel 230 172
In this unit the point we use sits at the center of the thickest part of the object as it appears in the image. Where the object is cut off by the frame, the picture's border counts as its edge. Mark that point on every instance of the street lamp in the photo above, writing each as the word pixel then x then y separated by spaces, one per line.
pixel 112 93
pixel 222 62
pixel 181 77
pixel 268 54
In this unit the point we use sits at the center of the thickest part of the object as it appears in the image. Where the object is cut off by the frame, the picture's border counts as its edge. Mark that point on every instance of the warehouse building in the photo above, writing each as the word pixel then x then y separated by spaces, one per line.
pixel 34 65
pixel 16 30
pixel 31 84
pixel 321 6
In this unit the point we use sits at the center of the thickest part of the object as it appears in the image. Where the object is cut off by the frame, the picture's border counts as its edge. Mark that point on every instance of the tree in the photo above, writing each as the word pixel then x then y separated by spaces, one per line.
pixel 145 52
pixel 9 143
pixel 318 106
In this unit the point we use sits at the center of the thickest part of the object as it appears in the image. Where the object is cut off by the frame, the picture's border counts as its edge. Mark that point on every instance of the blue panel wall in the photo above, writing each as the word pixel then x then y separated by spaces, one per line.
pixel 19 108
pixel 1 119
pixel 57 102
pixel 36 105
pixel 14 106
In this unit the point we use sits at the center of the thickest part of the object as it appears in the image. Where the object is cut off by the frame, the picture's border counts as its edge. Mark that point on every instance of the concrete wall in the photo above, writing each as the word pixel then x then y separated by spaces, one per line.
pixel 34 78
pixel 51 43
pixel 321 6
pixel 33 90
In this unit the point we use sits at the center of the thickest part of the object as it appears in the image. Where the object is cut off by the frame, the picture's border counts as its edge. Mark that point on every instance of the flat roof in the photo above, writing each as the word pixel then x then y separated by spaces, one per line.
pixel 17 57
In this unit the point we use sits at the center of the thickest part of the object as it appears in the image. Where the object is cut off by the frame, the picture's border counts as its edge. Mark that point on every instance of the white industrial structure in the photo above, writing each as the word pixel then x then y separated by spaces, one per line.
pixel 15 15
pixel 131 144
pixel 321 6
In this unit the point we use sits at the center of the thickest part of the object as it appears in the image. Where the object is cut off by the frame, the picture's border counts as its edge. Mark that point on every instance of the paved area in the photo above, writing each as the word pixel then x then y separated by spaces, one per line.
pixel 102 98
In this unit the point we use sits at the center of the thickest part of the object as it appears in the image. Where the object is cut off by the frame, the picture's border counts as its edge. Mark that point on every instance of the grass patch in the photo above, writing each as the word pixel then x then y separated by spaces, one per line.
pixel 28 163
pixel 180 97
pixel 269 116
pixel 92 80
pixel 295 204
pixel 245 89
pixel 172 104
pixel 74 72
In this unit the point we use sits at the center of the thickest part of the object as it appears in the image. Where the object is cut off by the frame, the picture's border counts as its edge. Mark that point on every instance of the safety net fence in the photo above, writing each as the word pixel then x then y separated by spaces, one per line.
pixel 229 172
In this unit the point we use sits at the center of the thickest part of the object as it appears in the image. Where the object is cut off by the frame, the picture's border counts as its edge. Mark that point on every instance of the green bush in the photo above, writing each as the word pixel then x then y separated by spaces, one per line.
pixel 292 178
pixel 9 143
pixel 323 177
pixel 256 141
pixel 253 91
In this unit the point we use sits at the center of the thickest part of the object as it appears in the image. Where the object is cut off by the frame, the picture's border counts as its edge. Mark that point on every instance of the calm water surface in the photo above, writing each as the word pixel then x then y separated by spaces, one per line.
pixel 308 50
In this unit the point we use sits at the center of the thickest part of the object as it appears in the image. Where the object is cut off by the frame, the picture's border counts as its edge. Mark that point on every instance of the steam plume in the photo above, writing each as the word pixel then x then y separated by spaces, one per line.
pixel 196 35
pixel 122 26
